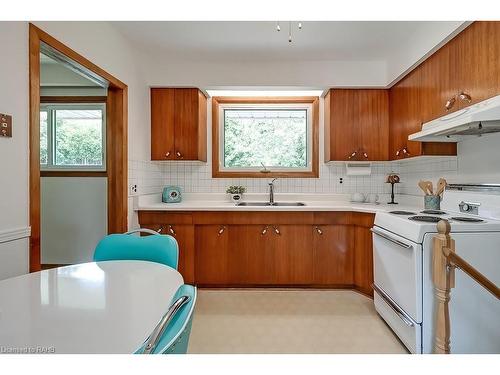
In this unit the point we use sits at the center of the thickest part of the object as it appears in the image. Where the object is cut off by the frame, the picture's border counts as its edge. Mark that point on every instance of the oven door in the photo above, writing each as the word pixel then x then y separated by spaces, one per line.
pixel 397 267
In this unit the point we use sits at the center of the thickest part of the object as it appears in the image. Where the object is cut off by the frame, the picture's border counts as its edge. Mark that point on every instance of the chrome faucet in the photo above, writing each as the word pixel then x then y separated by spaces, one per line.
pixel 271 191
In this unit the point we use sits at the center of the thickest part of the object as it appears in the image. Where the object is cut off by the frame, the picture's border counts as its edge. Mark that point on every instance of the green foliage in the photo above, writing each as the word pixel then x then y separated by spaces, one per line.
pixel 235 189
pixel 78 142
pixel 274 141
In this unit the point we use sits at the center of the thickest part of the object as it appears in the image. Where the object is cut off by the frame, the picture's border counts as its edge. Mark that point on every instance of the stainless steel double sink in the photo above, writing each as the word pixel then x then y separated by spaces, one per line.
pixel 275 204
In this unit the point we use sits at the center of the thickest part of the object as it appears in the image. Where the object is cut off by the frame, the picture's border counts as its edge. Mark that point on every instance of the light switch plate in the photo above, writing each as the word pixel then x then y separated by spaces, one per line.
pixel 5 125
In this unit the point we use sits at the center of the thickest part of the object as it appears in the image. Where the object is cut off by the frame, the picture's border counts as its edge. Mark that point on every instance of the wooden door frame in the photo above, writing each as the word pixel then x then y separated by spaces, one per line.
pixel 116 141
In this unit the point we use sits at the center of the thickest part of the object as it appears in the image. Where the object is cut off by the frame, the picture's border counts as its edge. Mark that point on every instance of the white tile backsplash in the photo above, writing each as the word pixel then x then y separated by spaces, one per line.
pixel 195 177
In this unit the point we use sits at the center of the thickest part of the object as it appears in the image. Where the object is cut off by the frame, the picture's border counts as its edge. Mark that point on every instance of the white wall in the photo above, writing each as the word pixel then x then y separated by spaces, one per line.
pixel 74 218
pixel 160 71
pixel 14 151
pixel 479 159
pixel 101 44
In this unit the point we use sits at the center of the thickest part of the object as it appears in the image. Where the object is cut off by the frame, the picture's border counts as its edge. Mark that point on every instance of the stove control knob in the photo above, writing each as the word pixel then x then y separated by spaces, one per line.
pixel 464 206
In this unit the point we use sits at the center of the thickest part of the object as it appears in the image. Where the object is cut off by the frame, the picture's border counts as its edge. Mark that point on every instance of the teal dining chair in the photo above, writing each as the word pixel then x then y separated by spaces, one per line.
pixel 171 334
pixel 155 248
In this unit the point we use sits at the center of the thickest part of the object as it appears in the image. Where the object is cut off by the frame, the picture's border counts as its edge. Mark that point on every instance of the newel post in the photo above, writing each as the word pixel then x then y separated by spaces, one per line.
pixel 443 277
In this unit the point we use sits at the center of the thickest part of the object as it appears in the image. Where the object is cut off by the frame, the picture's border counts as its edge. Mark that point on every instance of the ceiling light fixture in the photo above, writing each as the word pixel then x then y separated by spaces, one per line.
pixel 290 39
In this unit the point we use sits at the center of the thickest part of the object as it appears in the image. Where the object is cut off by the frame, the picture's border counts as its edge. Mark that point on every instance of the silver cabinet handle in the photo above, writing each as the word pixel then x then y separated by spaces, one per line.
pixel 156 335
pixel 318 229
pixel 160 229
pixel 365 155
pixel 179 155
pixel 353 155
pixel 171 230
pixel 405 151
pixel 398 152
pixel 167 154
pixel 450 103
pixel 277 230
pixel 398 310
pixel 221 230
pixel 391 239
pixel 465 97
pixel 264 230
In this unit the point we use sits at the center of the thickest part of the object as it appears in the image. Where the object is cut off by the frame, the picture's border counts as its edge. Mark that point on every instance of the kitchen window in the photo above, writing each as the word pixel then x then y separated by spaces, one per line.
pixel 265 137
pixel 72 137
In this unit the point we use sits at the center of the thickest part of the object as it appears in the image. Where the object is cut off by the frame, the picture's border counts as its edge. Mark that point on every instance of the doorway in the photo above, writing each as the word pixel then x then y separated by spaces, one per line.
pixel 103 159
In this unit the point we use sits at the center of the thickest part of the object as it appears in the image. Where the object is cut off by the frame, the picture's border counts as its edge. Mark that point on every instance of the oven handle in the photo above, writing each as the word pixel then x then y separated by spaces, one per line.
pixel 402 315
pixel 391 239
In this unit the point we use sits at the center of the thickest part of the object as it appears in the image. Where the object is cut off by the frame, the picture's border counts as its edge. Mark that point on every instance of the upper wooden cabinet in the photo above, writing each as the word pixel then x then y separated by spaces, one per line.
pixel 356 124
pixel 178 124
pixel 476 52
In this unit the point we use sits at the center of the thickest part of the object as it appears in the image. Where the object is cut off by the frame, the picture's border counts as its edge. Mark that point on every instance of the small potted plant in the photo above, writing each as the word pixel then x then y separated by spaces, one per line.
pixel 236 192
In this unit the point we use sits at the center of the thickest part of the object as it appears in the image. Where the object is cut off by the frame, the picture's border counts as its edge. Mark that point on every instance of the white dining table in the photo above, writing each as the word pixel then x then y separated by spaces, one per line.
pixel 98 307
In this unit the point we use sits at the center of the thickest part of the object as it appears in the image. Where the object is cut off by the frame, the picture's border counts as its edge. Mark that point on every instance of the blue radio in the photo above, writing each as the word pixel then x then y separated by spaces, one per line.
pixel 171 194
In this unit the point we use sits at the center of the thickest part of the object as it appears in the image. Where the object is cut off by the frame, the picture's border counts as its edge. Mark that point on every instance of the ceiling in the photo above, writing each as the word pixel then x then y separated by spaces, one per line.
pixel 259 40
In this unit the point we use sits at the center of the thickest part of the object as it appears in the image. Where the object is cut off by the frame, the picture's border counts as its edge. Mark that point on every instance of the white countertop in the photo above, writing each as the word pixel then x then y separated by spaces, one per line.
pixel 313 202
pixel 103 307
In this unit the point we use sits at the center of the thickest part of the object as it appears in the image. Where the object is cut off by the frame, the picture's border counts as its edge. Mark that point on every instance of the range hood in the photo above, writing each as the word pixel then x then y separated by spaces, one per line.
pixel 476 120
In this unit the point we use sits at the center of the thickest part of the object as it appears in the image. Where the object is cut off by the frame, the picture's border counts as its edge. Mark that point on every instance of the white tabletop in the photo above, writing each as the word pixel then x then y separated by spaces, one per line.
pixel 103 307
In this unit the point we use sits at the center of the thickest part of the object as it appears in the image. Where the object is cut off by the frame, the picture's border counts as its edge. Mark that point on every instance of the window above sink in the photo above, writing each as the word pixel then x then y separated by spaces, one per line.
pixel 265 137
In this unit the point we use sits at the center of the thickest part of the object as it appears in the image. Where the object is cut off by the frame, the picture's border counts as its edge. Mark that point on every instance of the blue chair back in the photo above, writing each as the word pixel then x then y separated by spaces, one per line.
pixel 155 248
pixel 175 338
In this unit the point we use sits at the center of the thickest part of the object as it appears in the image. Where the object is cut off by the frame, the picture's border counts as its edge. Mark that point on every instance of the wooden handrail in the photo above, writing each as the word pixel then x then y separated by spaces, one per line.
pixel 457 261
pixel 444 263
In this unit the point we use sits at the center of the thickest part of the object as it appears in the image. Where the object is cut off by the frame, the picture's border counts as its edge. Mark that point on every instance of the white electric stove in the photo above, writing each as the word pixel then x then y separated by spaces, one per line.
pixel 402 254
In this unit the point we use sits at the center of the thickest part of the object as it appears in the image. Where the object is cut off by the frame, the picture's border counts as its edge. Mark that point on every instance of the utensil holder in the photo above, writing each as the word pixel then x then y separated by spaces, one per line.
pixel 432 202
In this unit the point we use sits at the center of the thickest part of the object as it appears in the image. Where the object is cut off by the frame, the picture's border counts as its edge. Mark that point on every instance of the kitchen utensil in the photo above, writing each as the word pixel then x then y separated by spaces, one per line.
pixel 432 202
pixel 441 185
pixel 358 197
pixel 429 187
pixel 423 185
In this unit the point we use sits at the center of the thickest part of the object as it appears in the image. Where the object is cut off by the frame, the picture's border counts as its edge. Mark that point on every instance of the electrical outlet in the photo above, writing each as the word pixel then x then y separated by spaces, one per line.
pixel 133 189
pixel 341 180
pixel 5 125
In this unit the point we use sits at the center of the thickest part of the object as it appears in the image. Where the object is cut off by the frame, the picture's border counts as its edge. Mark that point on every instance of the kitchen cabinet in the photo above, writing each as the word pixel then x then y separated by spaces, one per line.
pixel 178 124
pixel 212 254
pixel 356 124
pixel 476 52
pixel 333 255
pixel 414 98
pixel 184 234
pixel 245 249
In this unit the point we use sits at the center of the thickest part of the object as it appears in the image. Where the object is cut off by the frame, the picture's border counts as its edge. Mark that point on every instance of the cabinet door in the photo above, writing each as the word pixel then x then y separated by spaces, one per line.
pixel 405 116
pixel 162 124
pixel 373 120
pixel 343 134
pixel 363 259
pixel 252 258
pixel 212 254
pixel 186 117
pixel 184 235
pixel 292 246
pixel 439 83
pixel 477 52
pixel 333 252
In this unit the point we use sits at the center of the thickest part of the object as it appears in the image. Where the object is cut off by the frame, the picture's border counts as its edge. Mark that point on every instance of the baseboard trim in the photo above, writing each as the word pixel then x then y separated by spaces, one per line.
pixel 14 234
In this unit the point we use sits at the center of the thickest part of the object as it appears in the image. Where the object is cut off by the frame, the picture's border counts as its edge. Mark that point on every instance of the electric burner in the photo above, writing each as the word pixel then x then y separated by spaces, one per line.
pixel 402 212
pixel 467 219
pixel 433 212
pixel 426 219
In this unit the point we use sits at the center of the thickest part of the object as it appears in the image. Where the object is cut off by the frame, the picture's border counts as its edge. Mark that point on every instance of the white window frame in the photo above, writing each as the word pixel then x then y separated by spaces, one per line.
pixel 269 107
pixel 49 108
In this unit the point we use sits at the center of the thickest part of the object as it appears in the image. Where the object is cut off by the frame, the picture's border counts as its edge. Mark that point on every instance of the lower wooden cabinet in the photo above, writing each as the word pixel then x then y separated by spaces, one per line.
pixel 324 249
pixel 184 234
pixel 333 252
